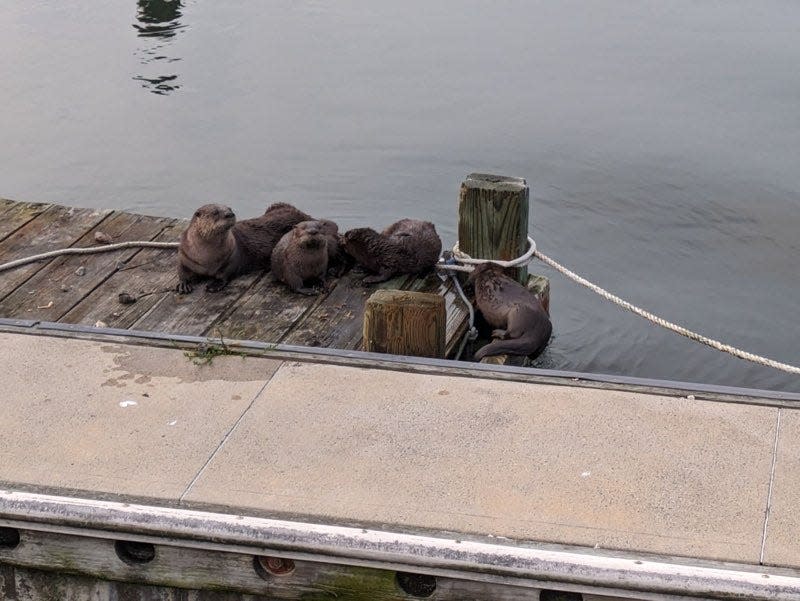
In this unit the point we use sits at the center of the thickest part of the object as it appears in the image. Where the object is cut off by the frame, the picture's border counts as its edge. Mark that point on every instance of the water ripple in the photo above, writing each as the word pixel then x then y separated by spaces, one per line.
pixel 158 22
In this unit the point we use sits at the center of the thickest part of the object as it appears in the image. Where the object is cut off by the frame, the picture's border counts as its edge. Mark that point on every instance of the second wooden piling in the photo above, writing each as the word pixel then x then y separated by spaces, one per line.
pixel 402 322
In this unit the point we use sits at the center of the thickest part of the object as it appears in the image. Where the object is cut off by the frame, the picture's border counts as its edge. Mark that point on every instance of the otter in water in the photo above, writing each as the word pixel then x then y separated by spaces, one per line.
pixel 215 245
pixel 407 246
pixel 523 326
pixel 301 255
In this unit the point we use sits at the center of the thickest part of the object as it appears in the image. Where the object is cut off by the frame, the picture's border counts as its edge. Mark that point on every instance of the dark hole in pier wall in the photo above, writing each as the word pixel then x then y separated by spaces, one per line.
pixel 548 595
pixel 9 538
pixel 416 585
pixel 134 553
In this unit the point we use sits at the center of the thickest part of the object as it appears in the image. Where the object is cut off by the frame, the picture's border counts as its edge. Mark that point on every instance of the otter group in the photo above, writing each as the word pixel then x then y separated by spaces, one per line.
pixel 301 252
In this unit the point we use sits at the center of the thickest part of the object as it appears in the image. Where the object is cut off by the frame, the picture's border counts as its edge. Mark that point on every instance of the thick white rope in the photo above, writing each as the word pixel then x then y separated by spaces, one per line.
pixel 462 257
pixel 87 251
pixel 716 344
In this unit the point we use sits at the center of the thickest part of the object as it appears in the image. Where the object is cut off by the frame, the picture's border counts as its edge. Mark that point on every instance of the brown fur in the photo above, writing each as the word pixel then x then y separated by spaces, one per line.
pixel 337 258
pixel 523 325
pixel 301 255
pixel 407 246
pixel 216 246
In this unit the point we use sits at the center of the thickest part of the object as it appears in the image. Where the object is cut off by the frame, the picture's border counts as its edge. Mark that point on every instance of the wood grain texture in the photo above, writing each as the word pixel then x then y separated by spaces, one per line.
pixel 55 227
pixel 150 275
pixel 75 566
pixel 337 321
pixel 13 215
pixel 457 321
pixel 195 313
pixel 403 322
pixel 493 218
pixel 266 312
pixel 57 288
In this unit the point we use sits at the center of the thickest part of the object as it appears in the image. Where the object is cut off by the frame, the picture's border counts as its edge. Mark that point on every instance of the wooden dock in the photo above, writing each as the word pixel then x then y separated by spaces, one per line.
pixel 251 307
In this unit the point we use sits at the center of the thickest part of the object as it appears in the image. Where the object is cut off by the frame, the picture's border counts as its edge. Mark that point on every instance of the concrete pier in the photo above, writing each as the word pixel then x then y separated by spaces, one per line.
pixel 594 469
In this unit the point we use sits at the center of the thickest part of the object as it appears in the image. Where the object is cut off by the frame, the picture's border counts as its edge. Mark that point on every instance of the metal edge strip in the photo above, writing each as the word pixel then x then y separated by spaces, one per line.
pixel 424 364
pixel 467 559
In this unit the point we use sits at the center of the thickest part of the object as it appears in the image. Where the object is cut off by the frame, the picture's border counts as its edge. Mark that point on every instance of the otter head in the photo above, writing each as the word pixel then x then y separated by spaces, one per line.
pixel 486 270
pixel 212 221
pixel 309 235
pixel 357 238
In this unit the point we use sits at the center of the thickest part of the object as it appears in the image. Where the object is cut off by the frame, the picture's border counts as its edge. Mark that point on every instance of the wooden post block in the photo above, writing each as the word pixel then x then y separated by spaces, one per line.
pixel 402 322
pixel 493 218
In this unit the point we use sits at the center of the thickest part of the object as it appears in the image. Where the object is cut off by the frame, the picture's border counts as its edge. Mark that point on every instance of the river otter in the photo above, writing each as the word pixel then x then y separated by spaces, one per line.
pixel 338 260
pixel 301 255
pixel 407 246
pixel 523 325
pixel 215 245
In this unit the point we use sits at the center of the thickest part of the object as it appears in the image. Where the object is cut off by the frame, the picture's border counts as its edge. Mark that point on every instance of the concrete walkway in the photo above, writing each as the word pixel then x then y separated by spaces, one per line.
pixel 570 465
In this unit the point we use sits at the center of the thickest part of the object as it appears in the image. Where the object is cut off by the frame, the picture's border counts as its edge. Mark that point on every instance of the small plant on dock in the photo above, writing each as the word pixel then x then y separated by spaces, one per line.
pixel 206 352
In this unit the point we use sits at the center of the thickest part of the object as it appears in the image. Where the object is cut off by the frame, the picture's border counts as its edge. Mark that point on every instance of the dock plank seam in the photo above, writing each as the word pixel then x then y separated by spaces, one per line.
pixel 24 223
pixel 227 435
pixel 307 313
pixel 232 306
pixel 41 265
pixel 769 490
pixel 111 273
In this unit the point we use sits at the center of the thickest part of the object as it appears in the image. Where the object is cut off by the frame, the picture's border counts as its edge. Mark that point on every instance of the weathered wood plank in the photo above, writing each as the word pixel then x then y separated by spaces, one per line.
pixel 57 288
pixel 25 584
pixel 149 276
pixel 55 227
pixel 338 321
pixel 189 568
pixel 195 313
pixel 13 215
pixel 266 312
pixel 493 218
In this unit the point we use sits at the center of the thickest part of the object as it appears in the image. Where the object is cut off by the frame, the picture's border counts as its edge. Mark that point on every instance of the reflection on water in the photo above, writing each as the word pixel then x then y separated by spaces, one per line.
pixel 158 22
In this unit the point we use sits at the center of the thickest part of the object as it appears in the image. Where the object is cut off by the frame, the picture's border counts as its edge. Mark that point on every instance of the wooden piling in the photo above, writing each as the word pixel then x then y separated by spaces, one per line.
pixel 493 218
pixel 493 224
pixel 402 322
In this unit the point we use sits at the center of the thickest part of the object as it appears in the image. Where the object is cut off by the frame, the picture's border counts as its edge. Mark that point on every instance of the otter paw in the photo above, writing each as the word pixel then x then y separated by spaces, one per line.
pixel 183 288
pixel 308 291
pixel 501 334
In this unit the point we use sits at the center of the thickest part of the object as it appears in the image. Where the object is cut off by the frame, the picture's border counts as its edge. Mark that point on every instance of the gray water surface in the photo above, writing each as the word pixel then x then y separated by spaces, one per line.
pixel 661 140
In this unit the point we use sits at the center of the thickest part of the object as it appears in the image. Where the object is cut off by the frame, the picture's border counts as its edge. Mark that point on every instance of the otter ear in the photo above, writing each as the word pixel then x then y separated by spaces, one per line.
pixel 197 213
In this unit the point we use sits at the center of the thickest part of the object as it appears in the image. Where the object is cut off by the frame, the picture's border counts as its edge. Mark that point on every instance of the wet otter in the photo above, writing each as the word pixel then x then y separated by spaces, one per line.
pixel 215 245
pixel 407 246
pixel 302 255
pixel 524 327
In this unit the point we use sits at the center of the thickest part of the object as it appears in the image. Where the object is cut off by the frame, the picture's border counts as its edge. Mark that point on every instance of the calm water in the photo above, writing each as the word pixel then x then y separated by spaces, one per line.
pixel 661 140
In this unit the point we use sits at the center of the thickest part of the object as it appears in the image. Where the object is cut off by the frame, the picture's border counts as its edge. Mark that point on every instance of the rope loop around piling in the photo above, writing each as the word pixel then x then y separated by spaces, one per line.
pixel 532 251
